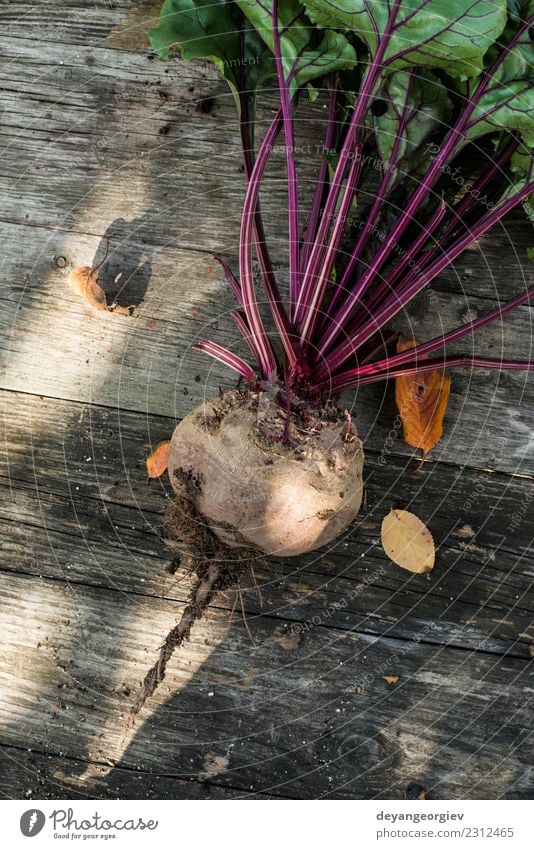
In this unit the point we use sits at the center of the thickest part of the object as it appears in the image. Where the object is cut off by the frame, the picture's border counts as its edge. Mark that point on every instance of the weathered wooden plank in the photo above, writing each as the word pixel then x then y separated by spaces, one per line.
pixel 120 23
pixel 145 362
pixel 62 81
pixel 125 136
pixel 67 677
pixel 32 775
pixel 75 506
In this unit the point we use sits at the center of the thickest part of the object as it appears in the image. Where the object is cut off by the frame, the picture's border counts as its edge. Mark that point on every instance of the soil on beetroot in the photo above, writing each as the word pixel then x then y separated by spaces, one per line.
pixel 216 567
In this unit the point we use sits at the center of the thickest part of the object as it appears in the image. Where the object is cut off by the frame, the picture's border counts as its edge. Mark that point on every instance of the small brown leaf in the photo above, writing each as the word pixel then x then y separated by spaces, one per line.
pixel 408 542
pixel 390 679
pixel 84 280
pixel 158 461
pixel 421 401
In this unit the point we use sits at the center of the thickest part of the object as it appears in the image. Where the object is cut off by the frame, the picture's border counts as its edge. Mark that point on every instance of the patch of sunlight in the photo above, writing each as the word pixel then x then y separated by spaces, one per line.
pixel 139 649
pixel 28 660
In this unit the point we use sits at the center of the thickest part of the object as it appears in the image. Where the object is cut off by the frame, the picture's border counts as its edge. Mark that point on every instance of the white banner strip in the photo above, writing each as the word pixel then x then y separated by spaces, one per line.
pixel 242 824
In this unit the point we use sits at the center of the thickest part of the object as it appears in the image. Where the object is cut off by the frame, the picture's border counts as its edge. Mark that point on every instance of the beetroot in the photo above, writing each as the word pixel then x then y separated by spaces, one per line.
pixel 256 489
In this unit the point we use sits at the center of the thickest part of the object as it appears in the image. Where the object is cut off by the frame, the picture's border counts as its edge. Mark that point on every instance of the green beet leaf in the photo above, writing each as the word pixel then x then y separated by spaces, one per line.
pixel 450 34
pixel 211 29
pixel 307 53
pixel 522 169
pixel 417 106
pixel 508 102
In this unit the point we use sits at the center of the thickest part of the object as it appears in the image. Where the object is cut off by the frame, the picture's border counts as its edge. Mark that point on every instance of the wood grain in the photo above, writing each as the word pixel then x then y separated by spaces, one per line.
pixel 80 655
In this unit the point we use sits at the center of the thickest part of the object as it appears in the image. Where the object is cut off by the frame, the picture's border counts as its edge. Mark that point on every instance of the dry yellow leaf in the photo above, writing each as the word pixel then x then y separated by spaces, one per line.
pixel 408 542
pixel 390 679
pixel 158 461
pixel 421 401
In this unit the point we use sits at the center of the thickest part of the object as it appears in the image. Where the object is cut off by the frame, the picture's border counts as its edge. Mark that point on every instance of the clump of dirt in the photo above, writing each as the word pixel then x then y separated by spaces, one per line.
pixel 216 567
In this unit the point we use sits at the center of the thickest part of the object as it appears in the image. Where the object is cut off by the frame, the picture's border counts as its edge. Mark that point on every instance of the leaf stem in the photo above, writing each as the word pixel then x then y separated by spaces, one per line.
pixel 450 147
pixel 351 146
pixel 382 191
pixel 322 179
pixel 398 301
pixel 386 287
pixel 341 384
pixel 250 302
pixel 223 355
pixel 425 348
pixel 292 179
pixel 312 311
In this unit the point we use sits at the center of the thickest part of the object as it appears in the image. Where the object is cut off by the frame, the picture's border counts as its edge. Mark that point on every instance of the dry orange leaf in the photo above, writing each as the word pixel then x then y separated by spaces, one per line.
pixel 390 679
pixel 421 401
pixel 408 542
pixel 158 461
pixel 84 280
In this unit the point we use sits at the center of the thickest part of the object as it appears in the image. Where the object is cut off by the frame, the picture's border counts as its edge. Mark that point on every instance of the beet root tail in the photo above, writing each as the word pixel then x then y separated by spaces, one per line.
pixel 203 591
